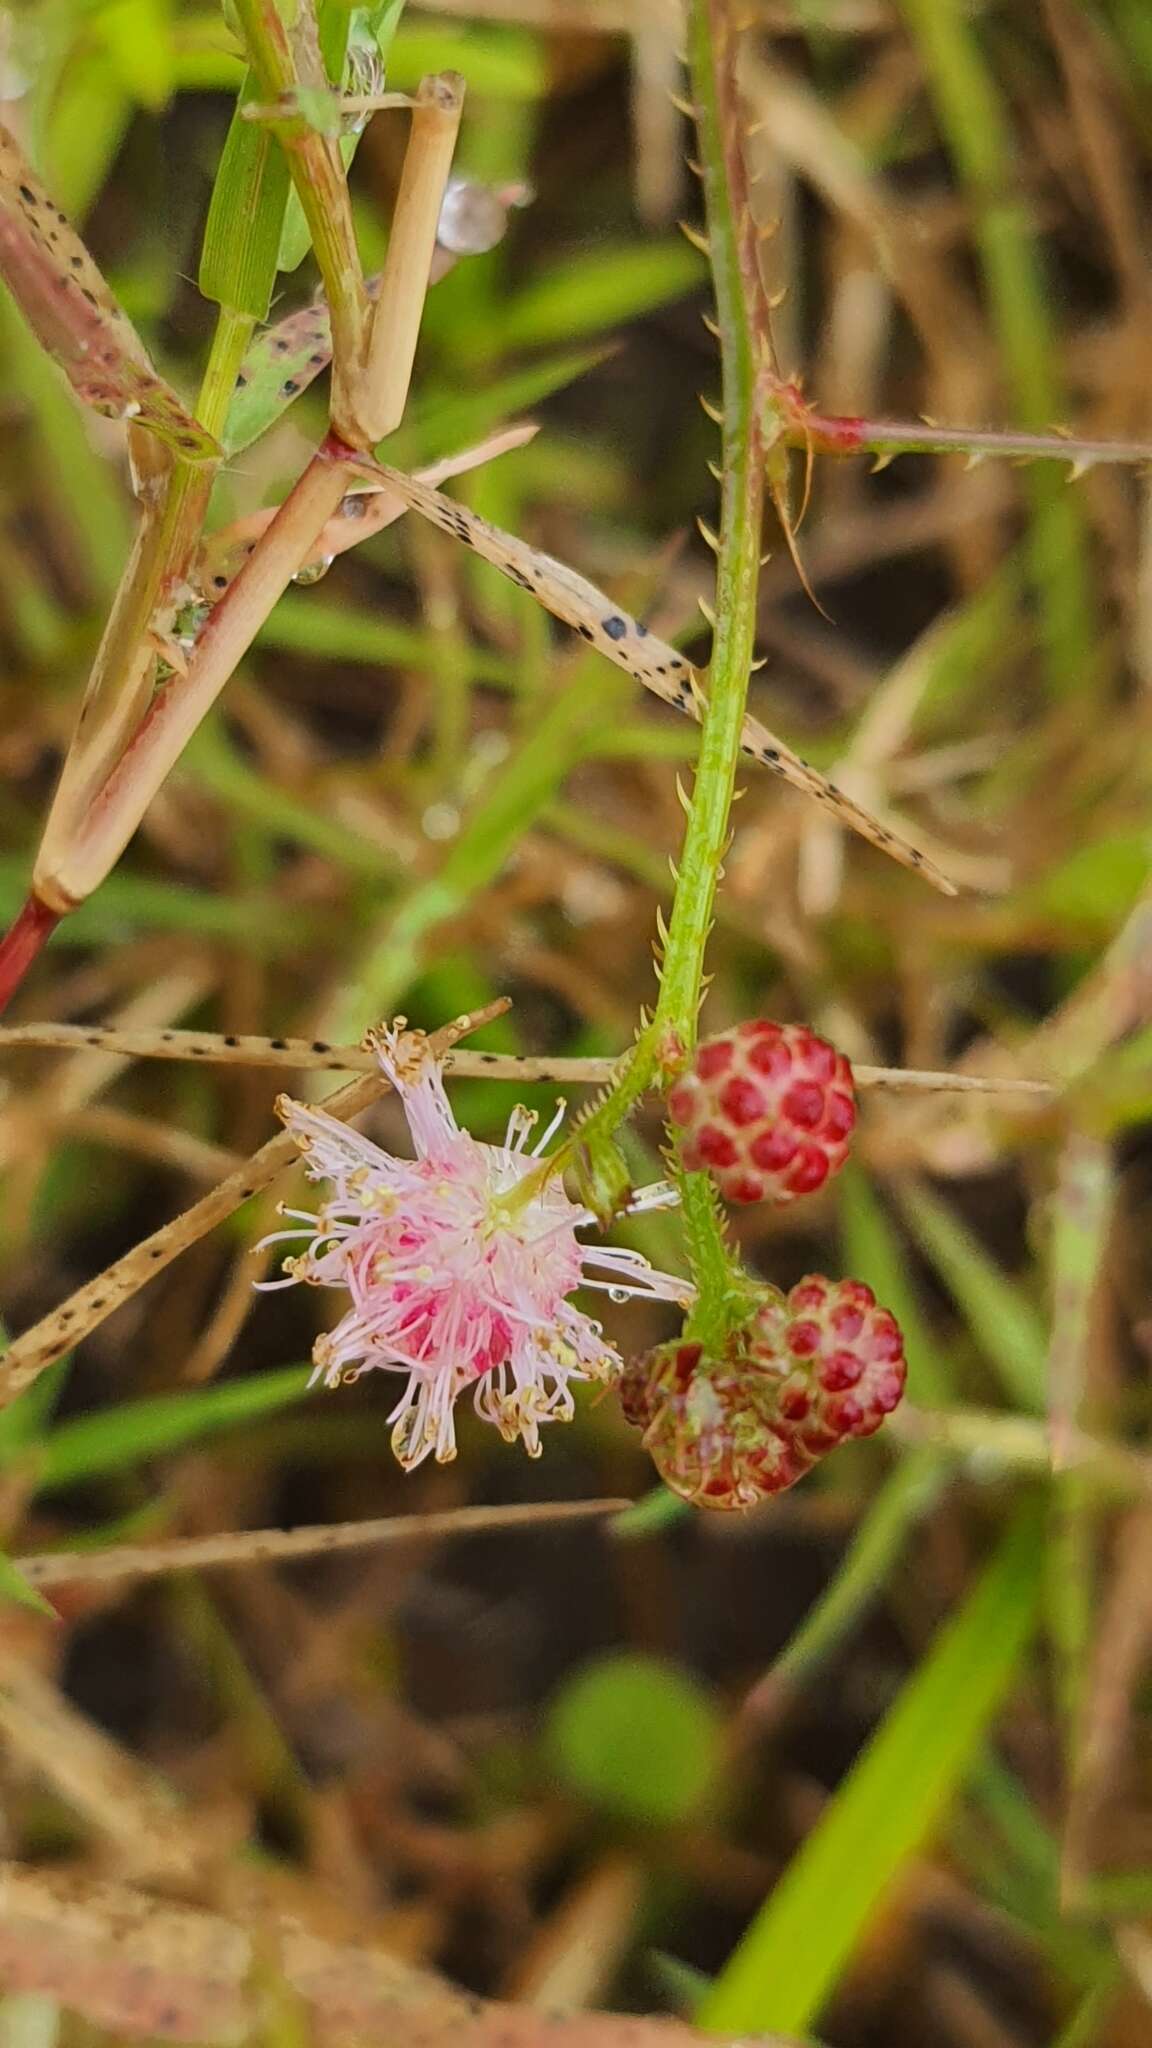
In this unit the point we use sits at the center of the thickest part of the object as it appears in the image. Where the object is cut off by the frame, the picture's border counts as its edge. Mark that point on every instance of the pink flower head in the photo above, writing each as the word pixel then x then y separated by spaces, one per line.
pixel 454 1280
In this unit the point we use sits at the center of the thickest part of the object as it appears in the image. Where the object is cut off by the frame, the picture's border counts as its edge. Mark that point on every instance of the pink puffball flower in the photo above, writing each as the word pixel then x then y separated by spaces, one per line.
pixel 453 1280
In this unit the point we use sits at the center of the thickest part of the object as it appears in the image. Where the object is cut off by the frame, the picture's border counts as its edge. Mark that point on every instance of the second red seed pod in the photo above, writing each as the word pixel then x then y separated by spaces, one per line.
pixel 767 1109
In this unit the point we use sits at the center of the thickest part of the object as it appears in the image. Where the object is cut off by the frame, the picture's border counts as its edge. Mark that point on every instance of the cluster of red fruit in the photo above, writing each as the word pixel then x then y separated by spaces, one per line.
pixel 768 1110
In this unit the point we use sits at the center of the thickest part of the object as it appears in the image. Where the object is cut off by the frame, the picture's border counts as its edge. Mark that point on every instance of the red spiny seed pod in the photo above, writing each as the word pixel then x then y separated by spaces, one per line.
pixel 767 1109
pixel 709 1427
pixel 837 1359
pixel 803 1374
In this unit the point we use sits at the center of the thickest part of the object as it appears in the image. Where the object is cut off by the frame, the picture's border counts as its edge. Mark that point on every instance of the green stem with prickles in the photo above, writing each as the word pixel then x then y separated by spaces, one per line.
pixel 726 1295
pixel 737 568
pixel 662 1045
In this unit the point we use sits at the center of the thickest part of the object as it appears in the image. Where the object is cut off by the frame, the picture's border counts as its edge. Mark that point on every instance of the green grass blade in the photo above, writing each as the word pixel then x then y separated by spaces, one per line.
pixel 80 477
pixel 215 762
pixel 517 794
pixel 908 1494
pixel 974 121
pixel 439 424
pixel 307 624
pixel 603 289
pixel 497 61
pixel 127 904
pixel 789 1962
pixel 654 1512
pixel 1085 2028
pixel 117 1437
pixel 238 269
pixel 26 1419
pixel 84 129
pixel 14 1588
pixel 137 35
pixel 1005 1325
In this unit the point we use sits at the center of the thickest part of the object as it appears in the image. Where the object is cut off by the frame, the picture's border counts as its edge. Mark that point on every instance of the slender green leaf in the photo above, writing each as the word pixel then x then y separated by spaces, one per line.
pixel 789 1962
pixel 245 215
pixel 137 35
pixel 495 61
pixel 107 1442
pixel 87 123
pixel 1094 887
pixel 25 1420
pixel 908 1494
pixel 975 122
pixel 214 760
pixel 129 903
pixel 442 422
pixel 602 288
pixel 14 1587
pixel 654 1511
pixel 306 624
pixel 1085 2028
pixel 1006 1326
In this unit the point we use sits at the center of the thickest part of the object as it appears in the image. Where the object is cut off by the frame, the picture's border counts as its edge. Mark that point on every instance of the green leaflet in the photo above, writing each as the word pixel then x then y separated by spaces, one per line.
pixel 783 1972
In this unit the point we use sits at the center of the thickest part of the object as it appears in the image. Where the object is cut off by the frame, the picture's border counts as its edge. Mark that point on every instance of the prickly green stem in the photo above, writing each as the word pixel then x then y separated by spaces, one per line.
pixel 665 1041
pixel 725 1296
pixel 738 561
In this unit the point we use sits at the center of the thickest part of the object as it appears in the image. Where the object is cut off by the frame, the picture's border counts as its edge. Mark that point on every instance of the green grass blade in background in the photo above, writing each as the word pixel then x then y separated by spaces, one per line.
pixel 1004 1323
pixel 789 1962
pixel 440 422
pixel 974 122
pixel 128 904
pixel 906 1498
pixel 137 35
pixel 18 1426
pixel 14 1588
pixel 238 271
pixel 603 289
pixel 117 1437
pixel 655 1511
pixel 498 62
pixel 26 1419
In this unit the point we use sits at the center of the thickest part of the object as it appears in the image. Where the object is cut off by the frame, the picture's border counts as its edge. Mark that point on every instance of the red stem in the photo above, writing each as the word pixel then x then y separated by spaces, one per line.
pixel 800 425
pixel 21 944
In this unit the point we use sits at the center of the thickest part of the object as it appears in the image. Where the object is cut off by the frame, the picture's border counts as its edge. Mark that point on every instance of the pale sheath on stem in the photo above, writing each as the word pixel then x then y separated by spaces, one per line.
pixel 128 737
